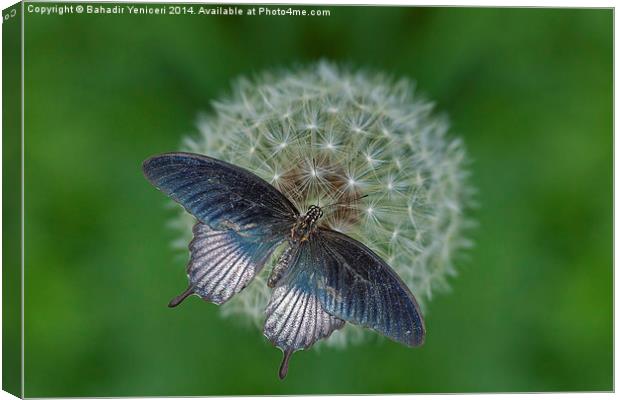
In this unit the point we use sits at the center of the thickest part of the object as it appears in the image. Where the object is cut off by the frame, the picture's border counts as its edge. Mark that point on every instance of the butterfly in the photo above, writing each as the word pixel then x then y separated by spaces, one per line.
pixel 322 279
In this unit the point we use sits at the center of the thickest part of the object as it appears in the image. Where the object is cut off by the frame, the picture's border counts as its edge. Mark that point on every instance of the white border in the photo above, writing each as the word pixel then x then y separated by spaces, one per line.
pixel 478 3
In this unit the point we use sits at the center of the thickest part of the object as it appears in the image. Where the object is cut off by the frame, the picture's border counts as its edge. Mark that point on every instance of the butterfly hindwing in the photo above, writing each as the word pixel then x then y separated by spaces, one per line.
pixel 356 285
pixel 295 317
pixel 222 263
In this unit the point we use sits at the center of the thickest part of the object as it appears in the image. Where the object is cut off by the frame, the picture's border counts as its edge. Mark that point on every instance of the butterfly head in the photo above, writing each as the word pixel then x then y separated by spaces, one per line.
pixel 306 224
pixel 313 214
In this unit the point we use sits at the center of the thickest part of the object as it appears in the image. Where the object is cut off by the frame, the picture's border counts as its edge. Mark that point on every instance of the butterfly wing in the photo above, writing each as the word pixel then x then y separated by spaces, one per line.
pixel 241 220
pixel 220 194
pixel 356 285
pixel 222 263
pixel 295 317
pixel 332 278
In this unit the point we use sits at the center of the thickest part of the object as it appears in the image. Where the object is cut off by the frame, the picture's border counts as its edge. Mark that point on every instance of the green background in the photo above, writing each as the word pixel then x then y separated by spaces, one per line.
pixel 529 90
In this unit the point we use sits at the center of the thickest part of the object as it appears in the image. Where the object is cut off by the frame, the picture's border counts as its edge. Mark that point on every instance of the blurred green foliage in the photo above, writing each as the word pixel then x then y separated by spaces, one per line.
pixel 529 90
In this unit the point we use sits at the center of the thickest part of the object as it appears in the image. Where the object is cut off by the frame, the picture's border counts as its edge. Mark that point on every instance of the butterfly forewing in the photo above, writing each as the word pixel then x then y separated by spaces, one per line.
pixel 356 285
pixel 219 194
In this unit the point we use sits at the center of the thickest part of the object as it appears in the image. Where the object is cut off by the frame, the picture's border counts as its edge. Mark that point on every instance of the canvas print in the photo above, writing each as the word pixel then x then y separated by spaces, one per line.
pixel 244 199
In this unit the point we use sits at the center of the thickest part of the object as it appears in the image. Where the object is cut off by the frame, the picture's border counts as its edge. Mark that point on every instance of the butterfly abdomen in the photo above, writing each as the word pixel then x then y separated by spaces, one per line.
pixel 281 267
pixel 305 226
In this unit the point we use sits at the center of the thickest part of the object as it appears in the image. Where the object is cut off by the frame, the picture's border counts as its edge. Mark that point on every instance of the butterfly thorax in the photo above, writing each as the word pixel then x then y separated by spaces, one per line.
pixel 306 224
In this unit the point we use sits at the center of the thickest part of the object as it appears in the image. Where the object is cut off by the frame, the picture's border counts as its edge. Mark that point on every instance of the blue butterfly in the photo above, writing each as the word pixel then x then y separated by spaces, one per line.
pixel 322 279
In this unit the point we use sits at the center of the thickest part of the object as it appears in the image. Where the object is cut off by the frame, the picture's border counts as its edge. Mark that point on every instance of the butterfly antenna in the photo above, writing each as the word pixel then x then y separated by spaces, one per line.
pixel 284 366
pixel 318 202
pixel 339 203
pixel 179 299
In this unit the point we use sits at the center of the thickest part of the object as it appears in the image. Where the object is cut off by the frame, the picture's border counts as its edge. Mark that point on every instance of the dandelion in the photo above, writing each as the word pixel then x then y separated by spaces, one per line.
pixel 324 134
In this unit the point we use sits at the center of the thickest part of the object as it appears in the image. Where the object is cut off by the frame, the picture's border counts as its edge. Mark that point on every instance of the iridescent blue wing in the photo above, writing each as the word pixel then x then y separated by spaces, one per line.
pixel 356 285
pixel 242 219
pixel 220 194
pixel 295 317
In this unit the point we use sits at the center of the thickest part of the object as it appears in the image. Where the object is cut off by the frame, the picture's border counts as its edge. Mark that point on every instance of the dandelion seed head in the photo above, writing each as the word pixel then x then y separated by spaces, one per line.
pixel 323 134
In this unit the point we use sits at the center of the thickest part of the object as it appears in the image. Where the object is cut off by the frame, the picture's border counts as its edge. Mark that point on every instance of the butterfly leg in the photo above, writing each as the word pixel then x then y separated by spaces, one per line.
pixel 179 299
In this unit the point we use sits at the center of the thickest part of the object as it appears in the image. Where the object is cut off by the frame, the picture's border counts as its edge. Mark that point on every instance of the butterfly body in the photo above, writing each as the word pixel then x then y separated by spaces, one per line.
pixel 304 227
pixel 322 280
